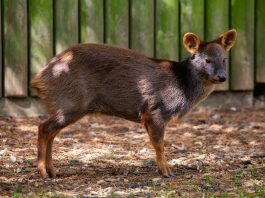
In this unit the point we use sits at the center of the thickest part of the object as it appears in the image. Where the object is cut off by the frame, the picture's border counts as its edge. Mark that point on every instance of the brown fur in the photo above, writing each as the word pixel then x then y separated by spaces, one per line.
pixel 89 78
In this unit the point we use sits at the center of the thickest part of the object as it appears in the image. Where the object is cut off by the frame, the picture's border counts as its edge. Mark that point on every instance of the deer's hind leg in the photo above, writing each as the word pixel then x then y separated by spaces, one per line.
pixel 47 132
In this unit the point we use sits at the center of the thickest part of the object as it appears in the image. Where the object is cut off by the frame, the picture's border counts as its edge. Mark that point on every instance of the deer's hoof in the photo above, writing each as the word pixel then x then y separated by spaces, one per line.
pixel 169 175
pixel 51 172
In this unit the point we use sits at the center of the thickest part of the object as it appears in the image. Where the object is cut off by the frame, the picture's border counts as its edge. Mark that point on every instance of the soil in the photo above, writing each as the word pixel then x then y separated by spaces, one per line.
pixel 213 152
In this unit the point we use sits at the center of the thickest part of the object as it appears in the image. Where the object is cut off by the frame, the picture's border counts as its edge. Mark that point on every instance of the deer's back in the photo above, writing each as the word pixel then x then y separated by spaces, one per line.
pixel 101 78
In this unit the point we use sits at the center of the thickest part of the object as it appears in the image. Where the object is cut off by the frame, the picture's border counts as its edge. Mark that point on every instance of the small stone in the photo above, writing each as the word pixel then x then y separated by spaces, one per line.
pixel 198 143
pixel 155 180
pixel 13 158
pixel 92 133
pixel 178 161
pixel 201 126
pixel 216 127
pixel 233 109
pixel 230 129
pixel 254 126
pixel 188 134
pixel 100 182
pixel 200 157
pixel 217 146
pixel 216 116
pixel 109 189
pixel 95 125
pixel 20 180
pixel 142 151
pixel 3 152
pixel 120 193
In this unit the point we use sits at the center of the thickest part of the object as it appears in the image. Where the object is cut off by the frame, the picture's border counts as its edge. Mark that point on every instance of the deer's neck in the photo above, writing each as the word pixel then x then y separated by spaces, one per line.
pixel 193 87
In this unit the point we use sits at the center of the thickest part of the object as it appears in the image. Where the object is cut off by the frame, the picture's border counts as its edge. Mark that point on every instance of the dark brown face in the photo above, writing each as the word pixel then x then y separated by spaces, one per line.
pixel 210 59
pixel 210 62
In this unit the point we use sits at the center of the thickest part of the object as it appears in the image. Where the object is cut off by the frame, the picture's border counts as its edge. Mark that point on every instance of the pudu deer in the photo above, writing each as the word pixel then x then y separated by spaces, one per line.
pixel 97 78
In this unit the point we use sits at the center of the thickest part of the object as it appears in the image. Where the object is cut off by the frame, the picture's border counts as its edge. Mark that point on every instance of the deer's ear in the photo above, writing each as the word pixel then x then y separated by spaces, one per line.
pixel 227 39
pixel 191 42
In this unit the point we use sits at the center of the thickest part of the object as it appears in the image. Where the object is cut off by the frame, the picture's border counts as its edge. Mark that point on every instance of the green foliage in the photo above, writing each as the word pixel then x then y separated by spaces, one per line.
pixel 208 181
pixel 238 178
pixel 16 195
pixel 113 195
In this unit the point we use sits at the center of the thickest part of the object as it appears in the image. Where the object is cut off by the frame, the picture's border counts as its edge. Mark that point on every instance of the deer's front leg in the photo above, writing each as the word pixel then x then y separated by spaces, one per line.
pixel 155 129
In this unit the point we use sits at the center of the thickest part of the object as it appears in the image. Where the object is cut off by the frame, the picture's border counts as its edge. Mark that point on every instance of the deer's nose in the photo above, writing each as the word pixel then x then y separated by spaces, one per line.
pixel 221 78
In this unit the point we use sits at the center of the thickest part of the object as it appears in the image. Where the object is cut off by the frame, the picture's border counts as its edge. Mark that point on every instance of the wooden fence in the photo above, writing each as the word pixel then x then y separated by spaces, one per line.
pixel 32 31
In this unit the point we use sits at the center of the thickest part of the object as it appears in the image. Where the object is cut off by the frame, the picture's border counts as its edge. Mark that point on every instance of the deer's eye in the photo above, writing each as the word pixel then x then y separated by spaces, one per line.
pixel 225 60
pixel 208 61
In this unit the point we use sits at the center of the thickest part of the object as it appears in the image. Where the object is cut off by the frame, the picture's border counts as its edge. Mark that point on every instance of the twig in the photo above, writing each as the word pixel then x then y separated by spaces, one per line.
pixel 242 169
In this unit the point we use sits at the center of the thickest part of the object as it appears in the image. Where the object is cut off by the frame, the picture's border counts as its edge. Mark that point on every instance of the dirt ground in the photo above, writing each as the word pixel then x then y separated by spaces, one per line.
pixel 214 153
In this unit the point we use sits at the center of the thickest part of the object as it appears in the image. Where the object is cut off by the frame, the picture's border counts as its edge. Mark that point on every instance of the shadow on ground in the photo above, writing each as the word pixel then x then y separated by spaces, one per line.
pixel 212 152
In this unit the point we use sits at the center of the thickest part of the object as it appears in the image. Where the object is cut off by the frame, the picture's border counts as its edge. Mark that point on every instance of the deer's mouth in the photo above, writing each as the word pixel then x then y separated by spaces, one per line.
pixel 214 81
pixel 218 79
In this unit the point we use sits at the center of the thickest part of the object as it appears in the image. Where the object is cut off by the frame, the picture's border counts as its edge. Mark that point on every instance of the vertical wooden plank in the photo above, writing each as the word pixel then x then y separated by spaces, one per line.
pixel 41 34
pixel 192 20
pixel 15 48
pixel 92 21
pixel 167 29
pixel 217 22
pixel 66 24
pixel 1 51
pixel 117 26
pixel 260 41
pixel 242 55
pixel 142 26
